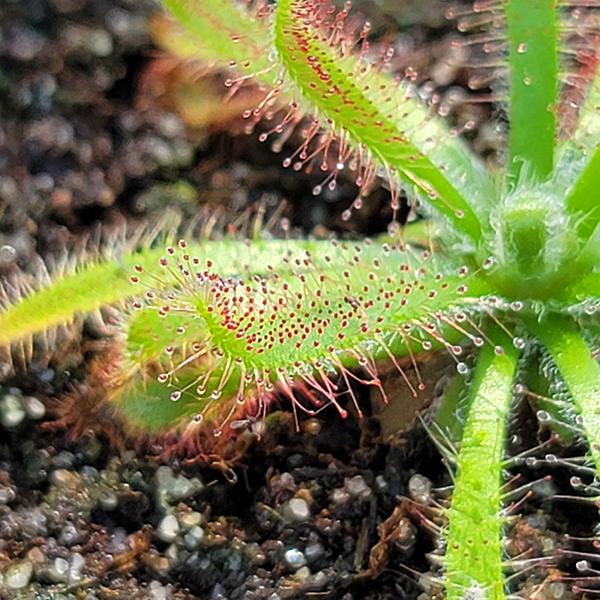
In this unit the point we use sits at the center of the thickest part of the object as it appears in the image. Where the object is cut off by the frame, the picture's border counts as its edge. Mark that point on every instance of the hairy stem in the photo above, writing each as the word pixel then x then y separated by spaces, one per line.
pixel 474 555
pixel 579 369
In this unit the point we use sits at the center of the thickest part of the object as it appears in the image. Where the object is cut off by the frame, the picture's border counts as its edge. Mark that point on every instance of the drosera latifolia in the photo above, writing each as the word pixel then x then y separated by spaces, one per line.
pixel 524 238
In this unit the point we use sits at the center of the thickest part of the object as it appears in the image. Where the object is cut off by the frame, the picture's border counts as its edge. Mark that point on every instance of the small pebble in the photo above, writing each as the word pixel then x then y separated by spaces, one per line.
pixel 7 494
pixel 64 460
pixel 168 529
pixel 59 571
pixel 296 509
pixel 64 478
pixel 303 574
pixel 36 556
pixel 69 535
pixel 12 412
pixel 357 487
pixel 218 592
pixel 36 523
pixel 157 591
pixel 191 520
pixel 9 190
pixel 193 538
pixel 340 496
pixel 108 500
pixel 381 484
pixel 18 576
pixel 419 488
pixel 314 552
pixel 34 408
pixel 294 559
pixel 77 564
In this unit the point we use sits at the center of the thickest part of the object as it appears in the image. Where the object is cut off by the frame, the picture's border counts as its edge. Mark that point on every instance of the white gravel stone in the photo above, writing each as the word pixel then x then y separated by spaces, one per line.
pixel 34 408
pixel 77 564
pixel 193 538
pixel 419 488
pixel 296 509
pixel 168 529
pixel 19 575
pixel 294 559
pixel 357 487
pixel 59 571
pixel 340 496
pixel 12 412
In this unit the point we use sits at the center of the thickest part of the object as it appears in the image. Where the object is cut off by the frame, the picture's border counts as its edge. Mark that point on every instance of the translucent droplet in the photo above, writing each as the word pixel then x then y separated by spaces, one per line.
pixel 462 368
pixel 522 48
pixel 216 395
pixel 488 263
pixel 317 190
pixel 175 396
pixel 498 350
pixel 162 377
pixel 527 80
pixel 519 343
pixel 426 345
pixel 543 416
pixel 583 565
pixel 576 482
pixel 478 341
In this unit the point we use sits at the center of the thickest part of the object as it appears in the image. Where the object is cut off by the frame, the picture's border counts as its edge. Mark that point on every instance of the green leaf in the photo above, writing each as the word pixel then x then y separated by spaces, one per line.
pixel 533 63
pixel 108 281
pixel 227 33
pixel 582 201
pixel 365 107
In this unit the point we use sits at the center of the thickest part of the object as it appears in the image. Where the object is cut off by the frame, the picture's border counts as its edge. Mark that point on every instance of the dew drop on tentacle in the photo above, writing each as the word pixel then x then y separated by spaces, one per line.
pixel 519 343
pixel 462 368
pixel 543 416
pixel 175 396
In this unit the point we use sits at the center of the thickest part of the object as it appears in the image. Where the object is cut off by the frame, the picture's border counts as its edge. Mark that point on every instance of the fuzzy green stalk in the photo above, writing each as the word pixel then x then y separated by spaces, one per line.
pixel 579 369
pixel 474 552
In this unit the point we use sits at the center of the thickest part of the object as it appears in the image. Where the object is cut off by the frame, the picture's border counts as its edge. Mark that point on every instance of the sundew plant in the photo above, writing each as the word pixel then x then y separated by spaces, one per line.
pixel 213 328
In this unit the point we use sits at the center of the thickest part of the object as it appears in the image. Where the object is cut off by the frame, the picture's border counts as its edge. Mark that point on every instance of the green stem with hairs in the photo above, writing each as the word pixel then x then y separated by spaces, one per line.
pixel 474 551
